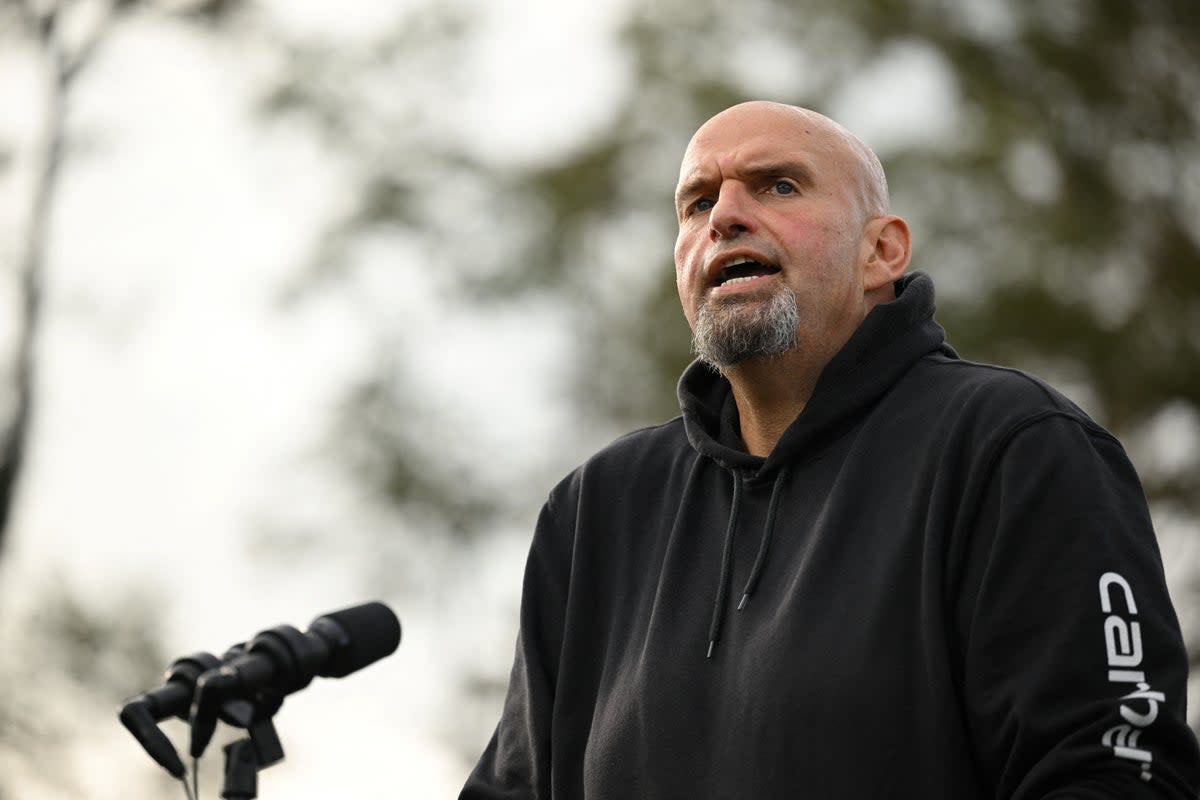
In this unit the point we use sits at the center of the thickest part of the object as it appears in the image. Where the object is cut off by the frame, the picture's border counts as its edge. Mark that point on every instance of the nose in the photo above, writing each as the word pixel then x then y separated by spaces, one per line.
pixel 732 215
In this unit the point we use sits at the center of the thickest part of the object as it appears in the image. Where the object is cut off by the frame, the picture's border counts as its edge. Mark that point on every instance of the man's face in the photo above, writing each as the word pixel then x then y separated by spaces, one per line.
pixel 769 201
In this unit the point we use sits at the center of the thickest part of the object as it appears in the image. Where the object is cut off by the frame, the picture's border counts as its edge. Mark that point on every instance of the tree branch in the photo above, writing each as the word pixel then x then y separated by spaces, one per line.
pixel 32 265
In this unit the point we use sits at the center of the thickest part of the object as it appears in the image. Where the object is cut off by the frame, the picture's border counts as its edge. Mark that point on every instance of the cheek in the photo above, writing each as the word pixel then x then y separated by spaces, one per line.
pixel 831 246
pixel 687 298
pixel 685 276
pixel 684 266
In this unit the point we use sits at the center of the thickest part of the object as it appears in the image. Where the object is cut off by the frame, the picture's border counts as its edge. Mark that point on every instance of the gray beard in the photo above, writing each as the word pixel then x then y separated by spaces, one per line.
pixel 731 330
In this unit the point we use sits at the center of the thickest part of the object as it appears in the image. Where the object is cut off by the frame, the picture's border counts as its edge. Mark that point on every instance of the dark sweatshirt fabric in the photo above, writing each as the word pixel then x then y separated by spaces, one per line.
pixel 941 583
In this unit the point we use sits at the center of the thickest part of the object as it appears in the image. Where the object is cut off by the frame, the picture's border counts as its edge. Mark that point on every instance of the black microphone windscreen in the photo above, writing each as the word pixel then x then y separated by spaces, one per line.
pixel 370 632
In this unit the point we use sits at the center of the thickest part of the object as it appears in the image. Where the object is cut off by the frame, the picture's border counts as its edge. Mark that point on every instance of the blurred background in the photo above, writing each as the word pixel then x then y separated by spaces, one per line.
pixel 306 304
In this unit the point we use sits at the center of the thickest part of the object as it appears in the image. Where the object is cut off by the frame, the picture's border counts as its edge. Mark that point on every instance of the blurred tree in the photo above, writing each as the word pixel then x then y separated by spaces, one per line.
pixel 82 659
pixel 63 36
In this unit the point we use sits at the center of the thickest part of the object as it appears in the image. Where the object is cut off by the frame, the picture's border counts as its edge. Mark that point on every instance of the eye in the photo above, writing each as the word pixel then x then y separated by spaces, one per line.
pixel 703 204
pixel 783 187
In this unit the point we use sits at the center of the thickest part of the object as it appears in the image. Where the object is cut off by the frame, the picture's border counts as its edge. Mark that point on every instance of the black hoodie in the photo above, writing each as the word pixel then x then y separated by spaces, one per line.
pixel 941 583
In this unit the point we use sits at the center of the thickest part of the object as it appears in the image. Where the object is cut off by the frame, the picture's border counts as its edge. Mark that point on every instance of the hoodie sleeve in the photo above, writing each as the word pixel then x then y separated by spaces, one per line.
pixel 516 763
pixel 1074 668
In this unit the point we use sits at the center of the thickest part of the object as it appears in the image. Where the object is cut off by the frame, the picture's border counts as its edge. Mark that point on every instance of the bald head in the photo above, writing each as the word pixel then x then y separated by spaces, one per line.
pixel 859 162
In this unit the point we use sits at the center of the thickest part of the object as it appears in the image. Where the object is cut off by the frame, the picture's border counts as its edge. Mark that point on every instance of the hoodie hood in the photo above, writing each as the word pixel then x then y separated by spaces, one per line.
pixel 893 336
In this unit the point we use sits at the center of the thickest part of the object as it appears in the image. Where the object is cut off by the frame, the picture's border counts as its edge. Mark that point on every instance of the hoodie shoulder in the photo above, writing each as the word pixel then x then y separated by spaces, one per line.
pixel 996 393
pixel 652 446
pixel 635 470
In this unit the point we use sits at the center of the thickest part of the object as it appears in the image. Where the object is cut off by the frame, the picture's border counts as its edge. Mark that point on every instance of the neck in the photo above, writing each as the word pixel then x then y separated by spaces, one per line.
pixel 770 394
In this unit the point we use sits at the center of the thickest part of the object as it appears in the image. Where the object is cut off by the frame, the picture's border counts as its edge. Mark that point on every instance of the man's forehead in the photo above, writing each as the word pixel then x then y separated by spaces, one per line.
pixel 747 136
pixel 747 157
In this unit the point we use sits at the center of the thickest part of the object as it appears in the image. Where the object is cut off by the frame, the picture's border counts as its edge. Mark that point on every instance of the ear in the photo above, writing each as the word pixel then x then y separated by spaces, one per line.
pixel 889 249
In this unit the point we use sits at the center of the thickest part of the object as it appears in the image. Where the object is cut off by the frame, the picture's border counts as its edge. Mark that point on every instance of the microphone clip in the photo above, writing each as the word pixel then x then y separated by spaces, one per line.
pixel 261 747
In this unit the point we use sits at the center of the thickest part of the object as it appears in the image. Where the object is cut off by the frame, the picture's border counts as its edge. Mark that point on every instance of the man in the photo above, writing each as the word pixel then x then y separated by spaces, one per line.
pixel 856 566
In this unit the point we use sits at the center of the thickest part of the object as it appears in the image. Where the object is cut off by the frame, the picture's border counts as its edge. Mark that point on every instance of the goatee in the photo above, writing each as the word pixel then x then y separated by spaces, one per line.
pixel 732 329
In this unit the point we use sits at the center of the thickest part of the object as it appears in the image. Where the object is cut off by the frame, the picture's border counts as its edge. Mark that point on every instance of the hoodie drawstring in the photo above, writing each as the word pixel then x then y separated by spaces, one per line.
pixel 714 628
pixel 765 544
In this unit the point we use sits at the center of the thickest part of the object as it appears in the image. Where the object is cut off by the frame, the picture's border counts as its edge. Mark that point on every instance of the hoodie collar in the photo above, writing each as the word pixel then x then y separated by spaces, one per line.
pixel 893 336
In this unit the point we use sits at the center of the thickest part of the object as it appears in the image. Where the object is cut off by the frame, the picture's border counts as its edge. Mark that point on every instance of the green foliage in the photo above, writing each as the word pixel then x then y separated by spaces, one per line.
pixel 116 651
pixel 407 463
pixel 1084 250
pixel 83 658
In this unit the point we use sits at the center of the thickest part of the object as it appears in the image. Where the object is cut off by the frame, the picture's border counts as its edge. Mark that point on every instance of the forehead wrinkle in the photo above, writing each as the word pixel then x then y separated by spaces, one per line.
pixel 754 167
pixel 702 172
pixel 691 185
pixel 789 167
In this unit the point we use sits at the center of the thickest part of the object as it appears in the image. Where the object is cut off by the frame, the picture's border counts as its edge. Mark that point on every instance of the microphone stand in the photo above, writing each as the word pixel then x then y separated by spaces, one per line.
pixel 260 748
pixel 245 757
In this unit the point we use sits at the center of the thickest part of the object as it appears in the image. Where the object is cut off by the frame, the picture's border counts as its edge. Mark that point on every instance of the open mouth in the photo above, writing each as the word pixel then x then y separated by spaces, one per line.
pixel 743 271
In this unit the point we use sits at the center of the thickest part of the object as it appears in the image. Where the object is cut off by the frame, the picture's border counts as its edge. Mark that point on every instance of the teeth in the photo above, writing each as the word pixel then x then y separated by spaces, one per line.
pixel 738 261
pixel 740 280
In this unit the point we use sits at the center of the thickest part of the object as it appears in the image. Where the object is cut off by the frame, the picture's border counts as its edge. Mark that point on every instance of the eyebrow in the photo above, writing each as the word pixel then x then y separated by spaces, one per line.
pixel 797 170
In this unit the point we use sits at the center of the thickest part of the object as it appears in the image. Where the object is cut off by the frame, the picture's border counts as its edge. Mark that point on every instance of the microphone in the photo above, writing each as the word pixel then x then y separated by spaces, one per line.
pixel 281 660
